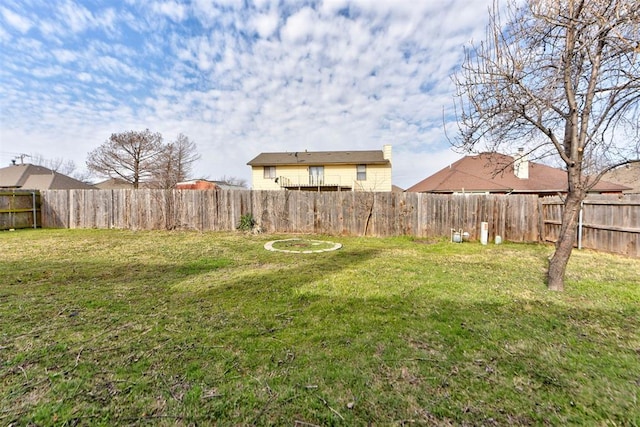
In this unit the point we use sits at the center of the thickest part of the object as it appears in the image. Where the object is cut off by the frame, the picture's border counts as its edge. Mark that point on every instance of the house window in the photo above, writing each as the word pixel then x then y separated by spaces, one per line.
pixel 316 175
pixel 269 172
pixel 361 172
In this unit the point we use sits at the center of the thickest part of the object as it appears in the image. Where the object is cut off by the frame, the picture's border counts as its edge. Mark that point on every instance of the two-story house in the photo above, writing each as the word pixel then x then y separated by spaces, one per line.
pixel 323 170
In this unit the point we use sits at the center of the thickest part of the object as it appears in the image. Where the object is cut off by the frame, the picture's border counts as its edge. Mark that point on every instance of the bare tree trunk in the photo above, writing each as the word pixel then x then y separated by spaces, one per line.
pixel 564 245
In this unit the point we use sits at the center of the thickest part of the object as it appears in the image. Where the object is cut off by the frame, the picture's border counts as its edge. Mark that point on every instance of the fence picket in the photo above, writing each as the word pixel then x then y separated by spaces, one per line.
pixel 610 223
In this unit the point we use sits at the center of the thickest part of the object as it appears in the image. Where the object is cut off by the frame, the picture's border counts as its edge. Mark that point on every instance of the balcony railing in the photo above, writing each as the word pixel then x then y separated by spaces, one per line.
pixel 327 182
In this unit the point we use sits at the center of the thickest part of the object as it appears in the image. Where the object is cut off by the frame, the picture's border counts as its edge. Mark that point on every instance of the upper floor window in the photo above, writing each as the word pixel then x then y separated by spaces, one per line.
pixel 361 172
pixel 269 172
pixel 316 175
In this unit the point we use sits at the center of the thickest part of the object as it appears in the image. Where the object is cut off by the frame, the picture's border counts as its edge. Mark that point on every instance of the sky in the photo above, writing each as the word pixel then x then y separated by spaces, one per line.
pixel 236 77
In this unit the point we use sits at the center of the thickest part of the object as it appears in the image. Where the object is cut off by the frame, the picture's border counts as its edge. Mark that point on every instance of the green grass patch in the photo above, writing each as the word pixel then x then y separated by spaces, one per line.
pixel 105 327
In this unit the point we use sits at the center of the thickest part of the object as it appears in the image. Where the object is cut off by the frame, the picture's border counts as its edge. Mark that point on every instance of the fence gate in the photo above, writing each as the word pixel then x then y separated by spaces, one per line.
pixel 607 223
pixel 19 209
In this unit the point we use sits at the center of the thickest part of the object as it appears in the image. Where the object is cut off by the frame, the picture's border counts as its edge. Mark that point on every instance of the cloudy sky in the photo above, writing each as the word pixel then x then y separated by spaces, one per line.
pixel 237 77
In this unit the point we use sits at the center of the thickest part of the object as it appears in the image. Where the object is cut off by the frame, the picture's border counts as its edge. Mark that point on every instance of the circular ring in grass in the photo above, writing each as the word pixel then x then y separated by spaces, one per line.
pixel 301 246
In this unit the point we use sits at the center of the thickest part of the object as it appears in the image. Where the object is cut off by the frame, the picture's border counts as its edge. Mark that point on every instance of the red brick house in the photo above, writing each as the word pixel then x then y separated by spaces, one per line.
pixel 203 184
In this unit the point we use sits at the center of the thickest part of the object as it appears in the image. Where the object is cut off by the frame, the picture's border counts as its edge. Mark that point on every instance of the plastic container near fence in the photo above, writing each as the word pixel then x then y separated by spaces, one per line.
pixel 498 240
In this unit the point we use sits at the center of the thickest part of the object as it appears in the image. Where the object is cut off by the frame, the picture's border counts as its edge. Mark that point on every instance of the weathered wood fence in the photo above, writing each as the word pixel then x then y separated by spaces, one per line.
pixel 19 209
pixel 515 218
pixel 609 223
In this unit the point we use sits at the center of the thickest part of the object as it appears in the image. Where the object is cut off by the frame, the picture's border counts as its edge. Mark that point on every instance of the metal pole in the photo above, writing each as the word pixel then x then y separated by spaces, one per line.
pixel 35 215
pixel 580 227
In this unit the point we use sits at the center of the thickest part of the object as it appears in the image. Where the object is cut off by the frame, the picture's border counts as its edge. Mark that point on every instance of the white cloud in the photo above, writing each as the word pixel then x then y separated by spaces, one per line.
pixel 206 11
pixel 69 18
pixel 84 77
pixel 265 24
pixel 331 7
pixel 299 27
pixel 177 12
pixel 262 4
pixel 45 72
pixel 4 36
pixel 273 76
pixel 229 3
pixel 76 16
pixel 65 55
pixel 15 20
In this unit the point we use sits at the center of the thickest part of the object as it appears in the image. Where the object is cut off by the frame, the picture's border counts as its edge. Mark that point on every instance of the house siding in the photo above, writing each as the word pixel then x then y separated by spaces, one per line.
pixel 378 177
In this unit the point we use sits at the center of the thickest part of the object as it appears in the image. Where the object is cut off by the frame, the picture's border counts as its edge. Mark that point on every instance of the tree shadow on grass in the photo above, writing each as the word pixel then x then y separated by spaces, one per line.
pixel 141 338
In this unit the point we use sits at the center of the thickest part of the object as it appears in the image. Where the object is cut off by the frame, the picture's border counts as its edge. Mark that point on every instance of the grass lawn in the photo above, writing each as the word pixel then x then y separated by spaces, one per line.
pixel 104 327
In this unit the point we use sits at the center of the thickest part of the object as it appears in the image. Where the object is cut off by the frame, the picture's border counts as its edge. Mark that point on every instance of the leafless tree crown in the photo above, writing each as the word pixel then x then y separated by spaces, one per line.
pixel 141 157
pixel 176 162
pixel 561 78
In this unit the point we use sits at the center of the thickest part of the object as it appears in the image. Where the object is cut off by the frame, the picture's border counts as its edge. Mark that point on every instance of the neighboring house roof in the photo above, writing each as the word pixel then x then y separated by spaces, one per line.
pixel 320 158
pixel 32 177
pixel 205 184
pixel 113 184
pixel 196 184
pixel 226 186
pixel 627 175
pixel 494 173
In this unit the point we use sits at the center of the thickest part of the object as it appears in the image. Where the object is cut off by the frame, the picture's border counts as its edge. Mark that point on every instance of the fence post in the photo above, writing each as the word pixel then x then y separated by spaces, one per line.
pixel 35 216
pixel 580 226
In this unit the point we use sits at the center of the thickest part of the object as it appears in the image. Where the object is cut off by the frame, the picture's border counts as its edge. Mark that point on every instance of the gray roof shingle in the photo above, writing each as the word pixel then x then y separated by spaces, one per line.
pixel 320 158
pixel 493 172
pixel 33 177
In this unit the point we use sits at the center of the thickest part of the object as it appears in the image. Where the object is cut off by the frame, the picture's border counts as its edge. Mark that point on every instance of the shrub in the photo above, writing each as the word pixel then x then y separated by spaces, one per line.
pixel 247 222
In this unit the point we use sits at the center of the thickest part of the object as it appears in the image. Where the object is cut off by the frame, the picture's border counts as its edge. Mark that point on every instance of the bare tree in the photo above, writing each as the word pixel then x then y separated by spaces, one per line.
pixel 60 165
pixel 176 162
pixel 233 180
pixel 131 156
pixel 561 77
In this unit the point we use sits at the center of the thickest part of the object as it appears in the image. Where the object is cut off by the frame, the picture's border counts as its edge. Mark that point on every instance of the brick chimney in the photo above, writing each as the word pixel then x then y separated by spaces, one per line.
pixel 521 164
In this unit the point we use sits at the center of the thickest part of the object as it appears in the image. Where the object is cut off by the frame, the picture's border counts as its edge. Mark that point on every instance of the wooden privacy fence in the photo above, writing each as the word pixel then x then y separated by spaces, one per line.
pixel 608 223
pixel 515 218
pixel 19 209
